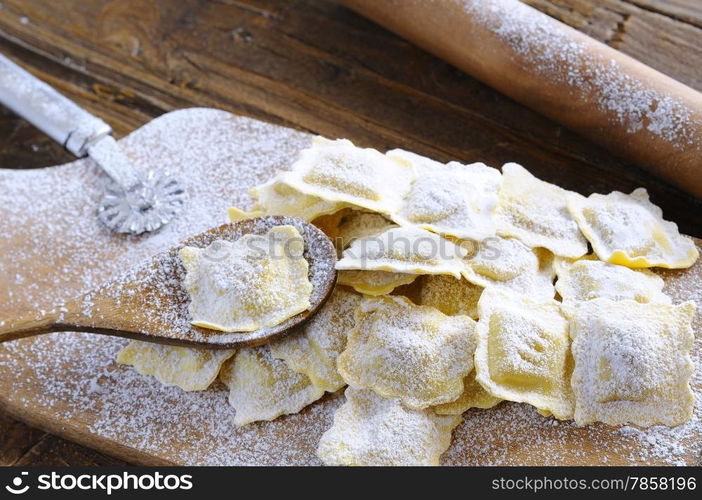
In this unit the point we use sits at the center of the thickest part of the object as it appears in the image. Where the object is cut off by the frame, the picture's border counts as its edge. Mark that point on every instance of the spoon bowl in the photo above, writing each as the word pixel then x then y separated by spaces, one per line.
pixel 149 302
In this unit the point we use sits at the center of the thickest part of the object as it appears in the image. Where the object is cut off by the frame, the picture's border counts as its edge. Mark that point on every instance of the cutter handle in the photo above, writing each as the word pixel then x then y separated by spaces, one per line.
pixel 54 114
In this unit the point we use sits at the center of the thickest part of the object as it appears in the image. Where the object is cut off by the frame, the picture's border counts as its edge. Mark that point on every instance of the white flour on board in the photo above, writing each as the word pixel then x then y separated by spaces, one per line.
pixel 77 381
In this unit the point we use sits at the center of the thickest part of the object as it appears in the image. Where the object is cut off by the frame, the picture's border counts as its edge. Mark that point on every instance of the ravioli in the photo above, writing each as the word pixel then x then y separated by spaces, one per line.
pixel 374 283
pixel 277 197
pixel 588 279
pixel 329 224
pixel 450 199
pixel 313 349
pixel 449 295
pixel 337 171
pixel 190 368
pixel 264 388
pixel 523 351
pixel 535 212
pixel 632 362
pixel 406 250
pixel 414 353
pixel 473 396
pixel 508 264
pixel 369 430
pixel 356 225
pixel 254 282
pixel 236 214
pixel 629 230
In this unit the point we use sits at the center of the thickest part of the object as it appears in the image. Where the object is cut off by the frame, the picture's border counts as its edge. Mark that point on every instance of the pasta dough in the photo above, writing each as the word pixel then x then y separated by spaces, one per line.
pixel 264 388
pixel 329 224
pixel 629 230
pixel 450 199
pixel 190 368
pixel 473 396
pixel 313 350
pixel 523 351
pixel 414 353
pixel 632 362
pixel 449 295
pixel 588 279
pixel 236 214
pixel 337 171
pixel 508 264
pixel 535 212
pixel 256 281
pixel 374 283
pixel 277 197
pixel 356 225
pixel 404 250
pixel 372 431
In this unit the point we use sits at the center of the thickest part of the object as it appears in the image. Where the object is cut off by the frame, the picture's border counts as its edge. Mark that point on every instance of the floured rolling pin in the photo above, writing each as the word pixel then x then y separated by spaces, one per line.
pixel 637 112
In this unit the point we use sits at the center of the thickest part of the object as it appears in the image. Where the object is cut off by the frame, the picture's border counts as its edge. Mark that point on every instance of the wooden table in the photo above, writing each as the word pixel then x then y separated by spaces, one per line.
pixel 314 65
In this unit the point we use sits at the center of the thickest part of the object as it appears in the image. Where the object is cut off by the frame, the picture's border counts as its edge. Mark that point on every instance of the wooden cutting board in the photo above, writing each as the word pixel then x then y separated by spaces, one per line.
pixel 52 247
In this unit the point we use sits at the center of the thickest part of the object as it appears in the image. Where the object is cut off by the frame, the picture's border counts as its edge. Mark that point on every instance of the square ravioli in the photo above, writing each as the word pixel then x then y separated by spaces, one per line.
pixel 329 225
pixel 236 214
pixel 277 197
pixel 523 351
pixel 414 353
pixel 474 396
pixel 374 283
pixel 535 212
pixel 355 225
pixel 338 171
pixel 237 287
pixel 509 264
pixel 632 362
pixel 313 349
pixel 629 230
pixel 373 431
pixel 450 199
pixel 449 295
pixel 406 250
pixel 190 368
pixel 588 279
pixel 262 387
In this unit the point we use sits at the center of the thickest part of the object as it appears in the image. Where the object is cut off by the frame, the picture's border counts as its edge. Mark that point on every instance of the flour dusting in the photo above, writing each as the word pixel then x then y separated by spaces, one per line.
pixel 75 382
pixel 548 48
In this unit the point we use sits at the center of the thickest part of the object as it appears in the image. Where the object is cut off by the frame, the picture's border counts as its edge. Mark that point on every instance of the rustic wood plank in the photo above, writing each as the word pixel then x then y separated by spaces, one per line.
pixel 311 64
pixel 16 439
pixel 56 452
pixel 319 67
pixel 23 146
pixel 689 11
pixel 71 384
pixel 665 35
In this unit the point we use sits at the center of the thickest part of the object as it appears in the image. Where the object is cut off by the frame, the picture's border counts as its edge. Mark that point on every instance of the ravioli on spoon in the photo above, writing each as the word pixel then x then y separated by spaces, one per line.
pixel 239 284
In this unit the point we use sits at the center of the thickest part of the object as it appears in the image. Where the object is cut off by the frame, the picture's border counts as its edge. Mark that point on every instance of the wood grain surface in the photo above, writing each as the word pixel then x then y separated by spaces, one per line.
pixel 638 113
pixel 316 66
pixel 70 384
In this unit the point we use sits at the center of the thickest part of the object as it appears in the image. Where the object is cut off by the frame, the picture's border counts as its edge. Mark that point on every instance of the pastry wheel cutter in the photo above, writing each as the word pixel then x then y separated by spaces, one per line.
pixel 134 202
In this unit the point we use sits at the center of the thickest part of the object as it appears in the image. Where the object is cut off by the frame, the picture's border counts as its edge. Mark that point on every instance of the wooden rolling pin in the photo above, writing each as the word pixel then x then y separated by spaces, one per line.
pixel 639 113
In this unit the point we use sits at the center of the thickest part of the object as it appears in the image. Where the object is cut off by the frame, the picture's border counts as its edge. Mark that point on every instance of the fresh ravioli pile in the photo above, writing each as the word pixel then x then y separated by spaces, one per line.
pixel 460 287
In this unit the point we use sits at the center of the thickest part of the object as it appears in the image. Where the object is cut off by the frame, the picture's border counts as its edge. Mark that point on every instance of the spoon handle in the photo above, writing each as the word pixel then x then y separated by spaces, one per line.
pixel 29 325
pixel 54 321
